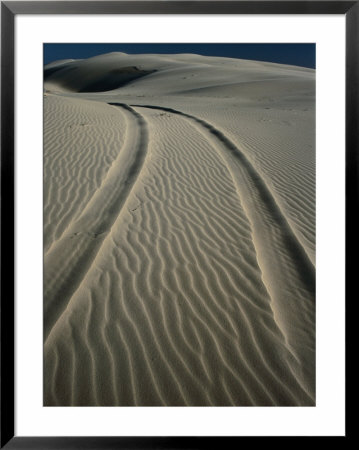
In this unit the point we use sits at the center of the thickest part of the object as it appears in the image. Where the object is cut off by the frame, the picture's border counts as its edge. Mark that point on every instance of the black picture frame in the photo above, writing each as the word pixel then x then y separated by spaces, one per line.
pixel 9 9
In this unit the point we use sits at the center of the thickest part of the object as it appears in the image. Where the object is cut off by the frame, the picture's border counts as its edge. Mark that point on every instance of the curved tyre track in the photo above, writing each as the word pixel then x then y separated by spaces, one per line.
pixel 287 270
pixel 71 256
pixel 305 268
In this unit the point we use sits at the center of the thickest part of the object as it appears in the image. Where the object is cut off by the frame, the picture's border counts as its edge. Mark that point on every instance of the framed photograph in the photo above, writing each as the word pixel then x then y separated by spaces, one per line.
pixel 176 186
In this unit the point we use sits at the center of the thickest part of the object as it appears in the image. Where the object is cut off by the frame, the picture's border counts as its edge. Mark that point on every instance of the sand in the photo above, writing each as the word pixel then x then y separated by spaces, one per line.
pixel 179 232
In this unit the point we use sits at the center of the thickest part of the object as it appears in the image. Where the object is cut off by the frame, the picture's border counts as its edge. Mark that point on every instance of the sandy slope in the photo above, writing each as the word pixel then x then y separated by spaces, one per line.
pixel 179 232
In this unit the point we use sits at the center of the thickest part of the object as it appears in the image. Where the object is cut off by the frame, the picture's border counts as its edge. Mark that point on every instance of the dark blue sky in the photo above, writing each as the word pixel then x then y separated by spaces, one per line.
pixel 294 54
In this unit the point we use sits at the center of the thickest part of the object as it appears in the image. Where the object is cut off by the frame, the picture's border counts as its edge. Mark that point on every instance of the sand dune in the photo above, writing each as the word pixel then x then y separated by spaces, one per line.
pixel 179 233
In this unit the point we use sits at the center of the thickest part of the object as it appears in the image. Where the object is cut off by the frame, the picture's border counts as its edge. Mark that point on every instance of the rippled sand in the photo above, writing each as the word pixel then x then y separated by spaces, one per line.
pixel 179 232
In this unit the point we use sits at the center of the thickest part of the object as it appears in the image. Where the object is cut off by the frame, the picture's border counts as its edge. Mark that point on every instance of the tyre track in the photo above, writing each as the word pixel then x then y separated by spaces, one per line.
pixel 71 256
pixel 288 273
pixel 306 269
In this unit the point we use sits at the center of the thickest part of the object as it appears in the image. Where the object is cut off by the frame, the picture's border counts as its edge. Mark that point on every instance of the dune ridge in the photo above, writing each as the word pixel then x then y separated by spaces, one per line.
pixel 183 279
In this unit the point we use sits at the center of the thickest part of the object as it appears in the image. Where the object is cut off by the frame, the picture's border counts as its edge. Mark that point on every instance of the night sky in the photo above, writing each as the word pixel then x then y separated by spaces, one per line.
pixel 293 54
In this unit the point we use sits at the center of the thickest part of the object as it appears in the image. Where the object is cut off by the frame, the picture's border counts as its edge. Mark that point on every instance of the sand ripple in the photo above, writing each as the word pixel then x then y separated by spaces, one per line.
pixel 181 281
